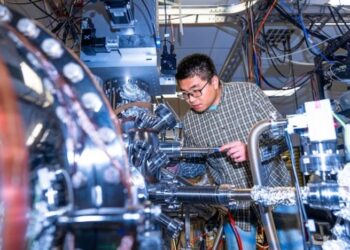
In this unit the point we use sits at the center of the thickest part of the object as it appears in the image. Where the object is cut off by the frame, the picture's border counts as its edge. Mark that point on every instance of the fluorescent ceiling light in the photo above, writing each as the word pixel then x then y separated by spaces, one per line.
pixel 270 93
pixel 339 2
pixel 282 92
pixel 35 132
pixel 169 95
pixel 31 79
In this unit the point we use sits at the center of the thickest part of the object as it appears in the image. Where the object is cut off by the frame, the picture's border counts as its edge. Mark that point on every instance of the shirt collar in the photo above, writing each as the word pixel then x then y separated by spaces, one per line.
pixel 217 107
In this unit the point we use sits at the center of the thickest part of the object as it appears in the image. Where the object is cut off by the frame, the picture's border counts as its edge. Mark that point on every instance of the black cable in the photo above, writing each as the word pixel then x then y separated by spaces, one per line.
pixel 268 47
pixel 335 20
pixel 298 8
pixel 302 212
pixel 300 82
pixel 152 23
pixel 272 60
pixel 42 10
pixel 289 18
pixel 43 17
pixel 302 40
pixel 150 16
pixel 47 15
pixel 300 26
pixel 16 3
pixel 276 68
pixel 165 18
pixel 86 3
pixel 268 83
pixel 282 61
pixel 290 57
pixel 341 17
pixel 298 45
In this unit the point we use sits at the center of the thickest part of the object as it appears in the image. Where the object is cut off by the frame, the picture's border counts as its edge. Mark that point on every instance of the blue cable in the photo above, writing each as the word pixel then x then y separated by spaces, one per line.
pixel 308 40
pixel 256 69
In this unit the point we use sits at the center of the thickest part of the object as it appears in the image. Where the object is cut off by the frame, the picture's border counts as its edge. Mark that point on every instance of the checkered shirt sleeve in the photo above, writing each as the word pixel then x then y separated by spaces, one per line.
pixel 191 169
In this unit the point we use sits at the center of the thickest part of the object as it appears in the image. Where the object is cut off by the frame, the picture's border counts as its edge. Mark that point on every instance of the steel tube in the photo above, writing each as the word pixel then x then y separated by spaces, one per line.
pixel 255 166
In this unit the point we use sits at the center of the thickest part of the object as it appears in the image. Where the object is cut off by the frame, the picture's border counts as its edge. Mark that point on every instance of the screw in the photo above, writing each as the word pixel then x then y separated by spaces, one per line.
pixel 28 28
pixel 73 72
pixel 107 134
pixel 92 101
pixel 52 48
pixel 5 14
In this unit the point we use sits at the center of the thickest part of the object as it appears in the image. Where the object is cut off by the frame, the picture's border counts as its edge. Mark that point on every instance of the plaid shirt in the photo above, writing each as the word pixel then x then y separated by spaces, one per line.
pixel 241 106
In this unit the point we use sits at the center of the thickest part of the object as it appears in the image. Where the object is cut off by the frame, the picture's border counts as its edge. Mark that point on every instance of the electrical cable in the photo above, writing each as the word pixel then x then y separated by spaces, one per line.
pixel 289 18
pixel 165 18
pixel 335 20
pixel 309 42
pixel 42 10
pixel 292 72
pixel 299 23
pixel 337 77
pixel 341 122
pixel 264 20
pixel 302 212
pixel 286 83
pixel 268 52
pixel 41 18
pixel 341 17
pixel 302 50
pixel 152 23
pixel 86 3
pixel 256 53
pixel 283 60
pixel 16 3
pixel 250 41
pixel 302 40
pixel 235 231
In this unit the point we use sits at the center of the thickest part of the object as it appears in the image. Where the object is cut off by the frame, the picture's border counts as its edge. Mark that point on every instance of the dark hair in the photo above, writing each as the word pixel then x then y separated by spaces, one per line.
pixel 196 65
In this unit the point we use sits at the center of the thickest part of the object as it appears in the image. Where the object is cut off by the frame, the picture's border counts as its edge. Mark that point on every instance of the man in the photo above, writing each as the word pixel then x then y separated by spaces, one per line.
pixel 222 115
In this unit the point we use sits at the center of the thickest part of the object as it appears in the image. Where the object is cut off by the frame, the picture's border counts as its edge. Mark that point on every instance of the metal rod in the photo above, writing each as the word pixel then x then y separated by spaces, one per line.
pixel 219 234
pixel 255 166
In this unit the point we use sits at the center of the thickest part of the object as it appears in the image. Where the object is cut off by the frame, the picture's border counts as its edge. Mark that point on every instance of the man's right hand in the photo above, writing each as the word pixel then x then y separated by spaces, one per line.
pixel 236 150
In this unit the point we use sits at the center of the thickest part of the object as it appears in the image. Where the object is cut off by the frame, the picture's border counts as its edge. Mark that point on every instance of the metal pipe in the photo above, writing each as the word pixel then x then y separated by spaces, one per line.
pixel 255 166
pixel 219 234
pixel 198 194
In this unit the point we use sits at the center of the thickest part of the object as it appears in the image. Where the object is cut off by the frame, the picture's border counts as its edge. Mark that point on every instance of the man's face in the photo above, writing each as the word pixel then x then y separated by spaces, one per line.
pixel 200 94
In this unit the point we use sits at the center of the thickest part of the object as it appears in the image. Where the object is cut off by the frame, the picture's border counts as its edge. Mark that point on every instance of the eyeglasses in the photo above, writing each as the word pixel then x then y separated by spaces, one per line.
pixel 194 93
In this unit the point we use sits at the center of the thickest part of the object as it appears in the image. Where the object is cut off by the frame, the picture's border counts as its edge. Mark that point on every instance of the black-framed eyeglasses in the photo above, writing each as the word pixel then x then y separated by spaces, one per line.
pixel 194 93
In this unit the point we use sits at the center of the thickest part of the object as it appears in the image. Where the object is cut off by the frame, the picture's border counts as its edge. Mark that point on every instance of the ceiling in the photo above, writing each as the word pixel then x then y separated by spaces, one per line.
pixel 216 29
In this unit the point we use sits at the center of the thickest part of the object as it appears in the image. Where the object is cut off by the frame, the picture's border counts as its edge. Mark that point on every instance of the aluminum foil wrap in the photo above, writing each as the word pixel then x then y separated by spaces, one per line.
pixel 271 196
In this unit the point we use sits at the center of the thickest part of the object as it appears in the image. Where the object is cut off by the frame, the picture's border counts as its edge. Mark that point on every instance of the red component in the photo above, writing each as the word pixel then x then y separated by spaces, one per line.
pixel 13 168
pixel 79 3
pixel 234 228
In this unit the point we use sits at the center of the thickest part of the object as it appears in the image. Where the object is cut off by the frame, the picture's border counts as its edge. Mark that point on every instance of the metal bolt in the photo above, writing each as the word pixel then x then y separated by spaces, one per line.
pixel 28 28
pixel 5 14
pixel 107 135
pixel 73 72
pixel 111 175
pixel 62 114
pixel 92 101
pixel 52 48
pixel 79 179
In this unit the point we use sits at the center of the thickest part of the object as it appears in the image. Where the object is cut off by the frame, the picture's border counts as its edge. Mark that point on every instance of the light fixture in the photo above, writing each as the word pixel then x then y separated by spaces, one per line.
pixel 35 132
pixel 339 2
pixel 31 79
pixel 281 92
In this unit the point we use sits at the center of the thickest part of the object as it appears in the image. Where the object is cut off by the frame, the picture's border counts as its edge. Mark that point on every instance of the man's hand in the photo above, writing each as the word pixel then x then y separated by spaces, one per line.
pixel 236 150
